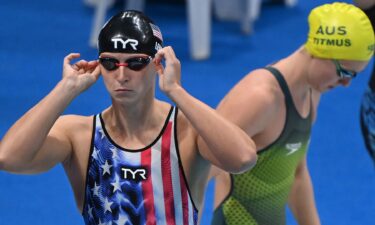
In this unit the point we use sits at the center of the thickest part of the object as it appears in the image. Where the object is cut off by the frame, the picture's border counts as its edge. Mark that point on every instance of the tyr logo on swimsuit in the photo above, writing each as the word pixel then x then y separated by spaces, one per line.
pixel 136 174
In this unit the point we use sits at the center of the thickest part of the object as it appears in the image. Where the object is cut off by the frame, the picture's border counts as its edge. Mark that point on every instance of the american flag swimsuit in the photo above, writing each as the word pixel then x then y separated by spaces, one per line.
pixel 136 187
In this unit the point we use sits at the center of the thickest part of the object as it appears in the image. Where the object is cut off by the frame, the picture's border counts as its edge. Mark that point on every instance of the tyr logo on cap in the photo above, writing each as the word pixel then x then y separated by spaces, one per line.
pixel 132 42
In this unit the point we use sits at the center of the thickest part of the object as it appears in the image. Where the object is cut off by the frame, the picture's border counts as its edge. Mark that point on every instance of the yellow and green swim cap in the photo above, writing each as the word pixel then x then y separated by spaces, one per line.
pixel 340 31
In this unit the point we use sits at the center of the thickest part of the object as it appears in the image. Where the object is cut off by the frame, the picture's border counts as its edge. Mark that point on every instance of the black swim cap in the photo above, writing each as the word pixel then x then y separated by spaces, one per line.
pixel 130 32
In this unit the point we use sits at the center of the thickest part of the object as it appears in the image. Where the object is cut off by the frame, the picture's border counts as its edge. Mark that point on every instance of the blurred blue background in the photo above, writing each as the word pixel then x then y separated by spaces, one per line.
pixel 36 35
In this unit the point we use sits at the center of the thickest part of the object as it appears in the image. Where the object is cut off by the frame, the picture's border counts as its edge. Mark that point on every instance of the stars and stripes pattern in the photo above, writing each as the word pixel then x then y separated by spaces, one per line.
pixel 137 187
pixel 156 31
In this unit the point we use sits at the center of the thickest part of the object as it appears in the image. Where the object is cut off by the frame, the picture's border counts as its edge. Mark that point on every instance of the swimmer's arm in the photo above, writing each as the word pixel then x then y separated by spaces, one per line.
pixel 253 103
pixel 219 141
pixel 301 199
pixel 251 107
pixel 35 143
pixel 38 140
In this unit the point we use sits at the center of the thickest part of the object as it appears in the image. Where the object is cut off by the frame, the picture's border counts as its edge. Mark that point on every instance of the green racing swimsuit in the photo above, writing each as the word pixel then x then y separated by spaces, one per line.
pixel 259 196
